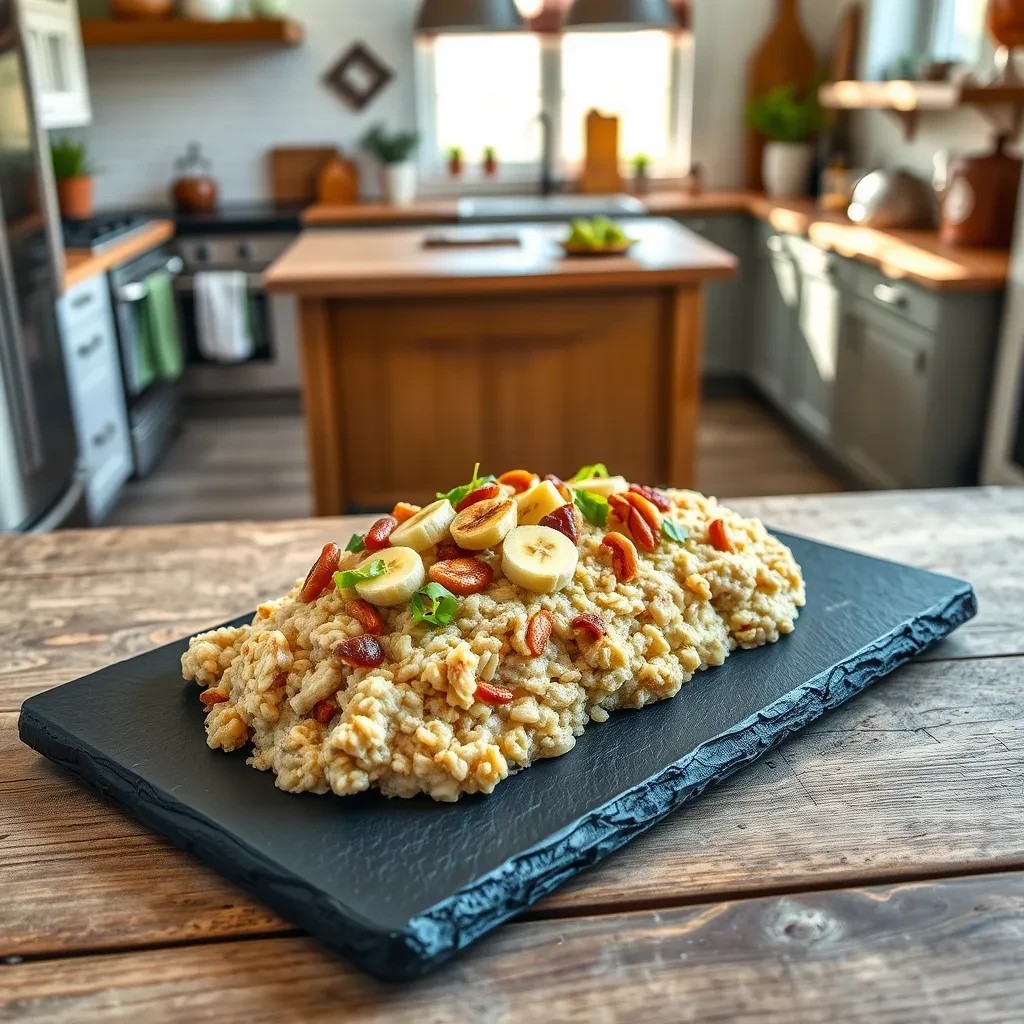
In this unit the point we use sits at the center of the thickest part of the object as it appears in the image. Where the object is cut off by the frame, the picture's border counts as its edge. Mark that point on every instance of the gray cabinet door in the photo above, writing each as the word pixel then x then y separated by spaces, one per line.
pixel 881 397
pixel 725 301
pixel 814 355
pixel 774 317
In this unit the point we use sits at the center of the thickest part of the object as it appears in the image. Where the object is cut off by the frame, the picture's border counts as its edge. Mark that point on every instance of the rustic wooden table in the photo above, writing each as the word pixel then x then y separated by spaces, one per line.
pixel 871 868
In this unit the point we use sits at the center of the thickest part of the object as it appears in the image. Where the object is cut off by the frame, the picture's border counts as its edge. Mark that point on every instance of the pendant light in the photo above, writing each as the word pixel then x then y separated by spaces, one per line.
pixel 620 15
pixel 469 16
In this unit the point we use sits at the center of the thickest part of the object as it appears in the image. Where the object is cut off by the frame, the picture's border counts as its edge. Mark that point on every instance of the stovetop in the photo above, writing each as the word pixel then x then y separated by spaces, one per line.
pixel 101 232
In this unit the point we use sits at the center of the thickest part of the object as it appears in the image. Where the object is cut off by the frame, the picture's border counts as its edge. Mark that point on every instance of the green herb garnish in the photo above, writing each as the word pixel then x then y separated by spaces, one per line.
pixel 456 494
pixel 598 471
pixel 593 506
pixel 434 604
pixel 349 578
pixel 673 531
pixel 357 542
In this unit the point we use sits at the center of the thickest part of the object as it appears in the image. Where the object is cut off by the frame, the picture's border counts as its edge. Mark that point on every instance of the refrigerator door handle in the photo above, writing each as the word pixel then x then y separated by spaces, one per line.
pixel 25 418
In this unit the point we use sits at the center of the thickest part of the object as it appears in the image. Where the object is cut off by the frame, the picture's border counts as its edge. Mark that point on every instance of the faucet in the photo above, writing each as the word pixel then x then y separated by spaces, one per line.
pixel 547 154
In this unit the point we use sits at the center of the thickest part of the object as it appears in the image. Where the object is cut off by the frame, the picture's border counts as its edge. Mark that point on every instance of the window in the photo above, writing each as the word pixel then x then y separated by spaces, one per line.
pixel 487 90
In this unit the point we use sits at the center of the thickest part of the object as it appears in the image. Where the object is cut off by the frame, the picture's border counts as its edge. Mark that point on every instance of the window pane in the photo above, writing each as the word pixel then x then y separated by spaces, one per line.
pixel 487 93
pixel 628 74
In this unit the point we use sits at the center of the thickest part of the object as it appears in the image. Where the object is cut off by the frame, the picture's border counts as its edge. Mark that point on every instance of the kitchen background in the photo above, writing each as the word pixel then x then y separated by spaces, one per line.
pixel 229 441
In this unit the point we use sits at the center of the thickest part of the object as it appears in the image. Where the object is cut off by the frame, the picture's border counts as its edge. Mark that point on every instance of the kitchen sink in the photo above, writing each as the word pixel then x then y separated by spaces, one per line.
pixel 548 207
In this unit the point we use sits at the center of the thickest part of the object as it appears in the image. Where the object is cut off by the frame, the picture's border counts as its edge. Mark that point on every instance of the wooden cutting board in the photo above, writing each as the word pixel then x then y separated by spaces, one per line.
pixel 294 171
pixel 601 174
pixel 844 53
pixel 785 55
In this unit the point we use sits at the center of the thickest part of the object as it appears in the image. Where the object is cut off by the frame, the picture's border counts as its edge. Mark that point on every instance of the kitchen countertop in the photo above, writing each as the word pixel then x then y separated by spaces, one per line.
pixel 395 261
pixel 81 264
pixel 918 256
pixel 871 866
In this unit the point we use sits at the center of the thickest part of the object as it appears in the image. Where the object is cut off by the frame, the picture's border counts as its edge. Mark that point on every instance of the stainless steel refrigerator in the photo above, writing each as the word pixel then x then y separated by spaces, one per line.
pixel 39 485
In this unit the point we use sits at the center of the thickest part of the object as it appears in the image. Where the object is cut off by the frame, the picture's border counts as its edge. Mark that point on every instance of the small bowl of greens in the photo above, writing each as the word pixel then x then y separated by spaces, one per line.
pixel 598 236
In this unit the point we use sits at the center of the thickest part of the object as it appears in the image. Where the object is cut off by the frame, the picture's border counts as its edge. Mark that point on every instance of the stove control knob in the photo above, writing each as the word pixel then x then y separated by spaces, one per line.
pixel 245 251
pixel 202 253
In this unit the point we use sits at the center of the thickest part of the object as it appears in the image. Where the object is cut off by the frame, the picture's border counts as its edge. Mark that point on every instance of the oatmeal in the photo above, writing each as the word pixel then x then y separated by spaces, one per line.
pixel 455 644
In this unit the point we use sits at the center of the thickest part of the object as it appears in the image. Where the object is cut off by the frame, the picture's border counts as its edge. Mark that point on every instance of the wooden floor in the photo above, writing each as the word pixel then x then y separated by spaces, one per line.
pixel 254 467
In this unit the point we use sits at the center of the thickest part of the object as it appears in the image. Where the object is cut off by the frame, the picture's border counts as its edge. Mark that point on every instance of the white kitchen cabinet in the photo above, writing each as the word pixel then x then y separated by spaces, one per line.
pixel 53 39
pixel 93 368
pixel 773 319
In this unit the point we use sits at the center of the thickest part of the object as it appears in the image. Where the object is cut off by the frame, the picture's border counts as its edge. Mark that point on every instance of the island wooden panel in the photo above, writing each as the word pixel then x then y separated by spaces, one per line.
pixel 945 951
pixel 918 778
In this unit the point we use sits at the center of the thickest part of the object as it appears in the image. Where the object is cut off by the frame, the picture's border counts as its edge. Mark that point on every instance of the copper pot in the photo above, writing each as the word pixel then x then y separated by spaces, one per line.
pixel 195 194
pixel 75 197
pixel 980 200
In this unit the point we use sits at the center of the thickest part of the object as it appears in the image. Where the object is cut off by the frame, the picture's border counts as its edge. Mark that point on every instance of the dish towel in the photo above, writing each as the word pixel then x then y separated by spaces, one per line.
pixel 160 351
pixel 222 316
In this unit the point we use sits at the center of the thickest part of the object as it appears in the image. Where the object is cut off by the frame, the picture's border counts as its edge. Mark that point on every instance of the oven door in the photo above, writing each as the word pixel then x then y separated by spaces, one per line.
pixel 273 368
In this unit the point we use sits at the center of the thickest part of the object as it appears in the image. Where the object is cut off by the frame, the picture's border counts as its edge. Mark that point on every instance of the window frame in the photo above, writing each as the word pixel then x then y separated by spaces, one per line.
pixel 433 165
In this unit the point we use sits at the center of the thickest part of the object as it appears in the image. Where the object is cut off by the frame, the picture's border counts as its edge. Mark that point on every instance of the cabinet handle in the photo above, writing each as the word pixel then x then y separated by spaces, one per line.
pixel 81 300
pixel 921 362
pixel 106 434
pixel 890 295
pixel 90 346
pixel 775 244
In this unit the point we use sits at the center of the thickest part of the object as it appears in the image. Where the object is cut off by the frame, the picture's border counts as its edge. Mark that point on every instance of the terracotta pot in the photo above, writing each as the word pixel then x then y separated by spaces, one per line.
pixel 141 10
pixel 195 194
pixel 75 197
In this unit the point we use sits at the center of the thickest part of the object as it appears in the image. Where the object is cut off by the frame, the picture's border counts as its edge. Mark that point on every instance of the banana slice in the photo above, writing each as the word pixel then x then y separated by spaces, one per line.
pixel 403 576
pixel 539 559
pixel 538 502
pixel 602 485
pixel 484 525
pixel 425 529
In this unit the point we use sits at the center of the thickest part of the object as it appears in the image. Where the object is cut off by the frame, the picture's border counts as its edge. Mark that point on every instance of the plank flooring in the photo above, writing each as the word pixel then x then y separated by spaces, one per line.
pixel 254 467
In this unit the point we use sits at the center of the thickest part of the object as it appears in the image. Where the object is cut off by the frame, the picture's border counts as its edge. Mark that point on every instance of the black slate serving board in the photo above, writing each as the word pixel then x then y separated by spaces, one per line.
pixel 399 886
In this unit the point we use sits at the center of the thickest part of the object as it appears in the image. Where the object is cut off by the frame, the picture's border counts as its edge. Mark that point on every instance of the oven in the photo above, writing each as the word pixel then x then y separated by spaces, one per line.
pixel 153 402
pixel 273 368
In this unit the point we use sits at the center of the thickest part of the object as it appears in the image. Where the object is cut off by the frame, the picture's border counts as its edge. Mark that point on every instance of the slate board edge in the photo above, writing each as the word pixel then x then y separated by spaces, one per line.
pixel 432 938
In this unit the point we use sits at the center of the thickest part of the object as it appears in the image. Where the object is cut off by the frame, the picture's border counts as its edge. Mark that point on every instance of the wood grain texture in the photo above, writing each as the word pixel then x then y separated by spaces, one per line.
pixel 81 264
pixel 684 314
pixel 106 32
pixel 821 811
pixel 940 952
pixel 394 262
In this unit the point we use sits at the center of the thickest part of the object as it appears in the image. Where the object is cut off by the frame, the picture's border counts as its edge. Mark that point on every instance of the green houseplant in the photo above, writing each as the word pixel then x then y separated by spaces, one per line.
pixel 490 161
pixel 641 172
pixel 73 171
pixel 789 120
pixel 394 152
pixel 455 161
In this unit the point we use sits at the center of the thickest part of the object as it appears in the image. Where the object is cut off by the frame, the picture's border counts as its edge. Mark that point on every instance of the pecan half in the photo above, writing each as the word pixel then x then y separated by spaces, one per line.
pixel 211 697
pixel 366 615
pixel 538 632
pixel 563 519
pixel 360 651
pixel 491 693
pixel 321 575
pixel 654 496
pixel 592 625
pixel 325 710
pixel 624 559
pixel 378 536
pixel 718 534
pixel 647 509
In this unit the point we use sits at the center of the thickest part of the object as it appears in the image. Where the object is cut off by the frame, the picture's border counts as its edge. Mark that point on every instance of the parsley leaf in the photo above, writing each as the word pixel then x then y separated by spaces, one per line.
pixel 434 604
pixel 357 542
pixel 598 471
pixel 593 506
pixel 673 531
pixel 349 578
pixel 456 494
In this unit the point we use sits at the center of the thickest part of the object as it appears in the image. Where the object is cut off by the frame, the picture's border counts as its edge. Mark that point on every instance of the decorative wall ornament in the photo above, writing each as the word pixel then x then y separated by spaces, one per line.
pixel 358 76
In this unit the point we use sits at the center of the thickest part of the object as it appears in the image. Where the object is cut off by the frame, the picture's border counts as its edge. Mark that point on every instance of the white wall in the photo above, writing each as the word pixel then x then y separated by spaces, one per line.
pixel 237 102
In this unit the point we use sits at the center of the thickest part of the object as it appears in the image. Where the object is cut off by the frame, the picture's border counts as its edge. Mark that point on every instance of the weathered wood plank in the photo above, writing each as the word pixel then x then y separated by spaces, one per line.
pixel 922 774
pixel 941 952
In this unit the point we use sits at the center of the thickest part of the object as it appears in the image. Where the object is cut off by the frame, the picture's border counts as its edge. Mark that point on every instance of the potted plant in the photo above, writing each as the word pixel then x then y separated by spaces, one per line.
pixel 73 171
pixel 394 154
pixel 789 121
pixel 641 172
pixel 455 161
pixel 490 161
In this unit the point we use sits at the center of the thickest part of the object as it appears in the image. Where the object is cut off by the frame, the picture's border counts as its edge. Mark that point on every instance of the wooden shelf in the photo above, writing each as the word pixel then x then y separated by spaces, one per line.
pixel 184 32
pixel 906 100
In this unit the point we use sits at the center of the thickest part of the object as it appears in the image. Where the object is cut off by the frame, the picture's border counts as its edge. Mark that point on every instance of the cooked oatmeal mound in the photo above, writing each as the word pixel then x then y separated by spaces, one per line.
pixel 339 688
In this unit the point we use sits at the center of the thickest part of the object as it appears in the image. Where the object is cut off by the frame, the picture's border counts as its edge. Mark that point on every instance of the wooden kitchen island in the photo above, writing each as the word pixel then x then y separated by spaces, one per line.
pixel 425 351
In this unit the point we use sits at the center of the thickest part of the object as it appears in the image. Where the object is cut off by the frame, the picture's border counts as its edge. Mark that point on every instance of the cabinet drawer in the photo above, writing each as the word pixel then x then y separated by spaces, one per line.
pixel 102 424
pixel 90 353
pixel 899 298
pixel 89 299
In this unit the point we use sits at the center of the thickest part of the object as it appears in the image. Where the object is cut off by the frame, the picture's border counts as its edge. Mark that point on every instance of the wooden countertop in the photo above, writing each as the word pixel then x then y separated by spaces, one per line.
pixel 394 261
pixel 82 264
pixel 872 866
pixel 916 256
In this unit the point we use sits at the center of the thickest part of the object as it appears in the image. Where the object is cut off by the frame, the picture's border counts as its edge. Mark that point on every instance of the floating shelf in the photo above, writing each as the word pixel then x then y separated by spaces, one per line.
pixel 906 100
pixel 184 32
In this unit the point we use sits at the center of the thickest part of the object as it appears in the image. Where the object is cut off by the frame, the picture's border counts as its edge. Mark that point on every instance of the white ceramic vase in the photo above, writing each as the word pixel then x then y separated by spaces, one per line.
pixel 398 183
pixel 208 10
pixel 786 168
